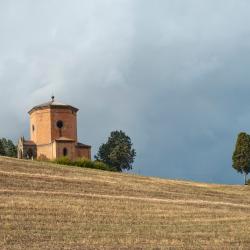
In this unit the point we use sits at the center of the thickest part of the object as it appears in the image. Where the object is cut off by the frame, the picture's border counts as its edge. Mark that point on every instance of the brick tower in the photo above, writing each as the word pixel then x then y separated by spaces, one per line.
pixel 53 133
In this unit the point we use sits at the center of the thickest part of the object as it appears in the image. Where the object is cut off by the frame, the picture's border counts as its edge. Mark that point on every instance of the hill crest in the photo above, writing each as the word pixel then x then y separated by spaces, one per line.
pixel 78 208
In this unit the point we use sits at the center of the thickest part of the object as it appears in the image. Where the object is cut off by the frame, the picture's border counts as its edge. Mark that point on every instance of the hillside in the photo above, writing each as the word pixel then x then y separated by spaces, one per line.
pixel 45 206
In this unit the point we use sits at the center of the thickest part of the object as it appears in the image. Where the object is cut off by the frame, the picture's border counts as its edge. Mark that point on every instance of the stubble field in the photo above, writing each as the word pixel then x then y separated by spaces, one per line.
pixel 46 206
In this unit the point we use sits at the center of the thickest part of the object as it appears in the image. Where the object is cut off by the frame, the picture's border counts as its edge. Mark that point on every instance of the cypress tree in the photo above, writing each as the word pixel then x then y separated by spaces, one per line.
pixel 241 155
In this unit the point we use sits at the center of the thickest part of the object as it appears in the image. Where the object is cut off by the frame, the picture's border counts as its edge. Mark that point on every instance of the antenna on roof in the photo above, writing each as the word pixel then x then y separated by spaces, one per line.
pixel 52 98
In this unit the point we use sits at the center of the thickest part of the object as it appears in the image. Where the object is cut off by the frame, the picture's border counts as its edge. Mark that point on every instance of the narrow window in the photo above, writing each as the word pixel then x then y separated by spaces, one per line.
pixel 59 124
pixel 65 152
pixel 33 128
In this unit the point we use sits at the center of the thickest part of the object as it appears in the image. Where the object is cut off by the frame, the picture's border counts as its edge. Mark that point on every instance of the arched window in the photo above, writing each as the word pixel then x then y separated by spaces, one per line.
pixel 65 152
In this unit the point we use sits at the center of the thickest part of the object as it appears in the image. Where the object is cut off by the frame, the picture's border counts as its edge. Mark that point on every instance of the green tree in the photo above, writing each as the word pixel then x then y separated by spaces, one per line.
pixel 241 155
pixel 12 149
pixel 5 146
pixel 117 152
pixel 9 148
pixel 2 151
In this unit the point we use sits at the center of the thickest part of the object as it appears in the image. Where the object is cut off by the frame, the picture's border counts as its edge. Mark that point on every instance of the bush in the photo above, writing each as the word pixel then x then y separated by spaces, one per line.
pixel 84 163
pixel 103 166
pixel 63 161
pixel 248 182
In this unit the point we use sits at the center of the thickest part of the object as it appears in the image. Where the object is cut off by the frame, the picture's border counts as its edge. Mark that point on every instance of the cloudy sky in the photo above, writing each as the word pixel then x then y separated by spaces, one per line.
pixel 174 75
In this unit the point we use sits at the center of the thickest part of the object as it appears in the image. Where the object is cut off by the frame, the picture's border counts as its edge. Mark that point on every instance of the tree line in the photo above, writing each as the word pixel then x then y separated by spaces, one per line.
pixel 8 148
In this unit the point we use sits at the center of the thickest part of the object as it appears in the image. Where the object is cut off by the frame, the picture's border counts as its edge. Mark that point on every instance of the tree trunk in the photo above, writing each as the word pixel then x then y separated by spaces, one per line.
pixel 245 179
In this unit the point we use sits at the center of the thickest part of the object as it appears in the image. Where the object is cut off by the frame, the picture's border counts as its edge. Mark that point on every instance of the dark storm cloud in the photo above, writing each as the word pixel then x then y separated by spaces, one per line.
pixel 173 74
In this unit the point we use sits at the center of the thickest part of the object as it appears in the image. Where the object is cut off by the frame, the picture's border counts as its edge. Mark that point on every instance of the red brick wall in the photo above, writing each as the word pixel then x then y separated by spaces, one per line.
pixel 70 146
pixel 69 119
pixel 44 122
pixel 46 131
pixel 84 153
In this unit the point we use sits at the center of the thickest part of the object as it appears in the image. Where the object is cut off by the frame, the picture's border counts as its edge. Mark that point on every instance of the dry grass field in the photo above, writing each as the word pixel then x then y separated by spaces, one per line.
pixel 45 206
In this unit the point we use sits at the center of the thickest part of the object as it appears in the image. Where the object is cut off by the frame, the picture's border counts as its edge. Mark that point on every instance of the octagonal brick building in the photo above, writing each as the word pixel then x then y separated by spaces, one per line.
pixel 53 133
